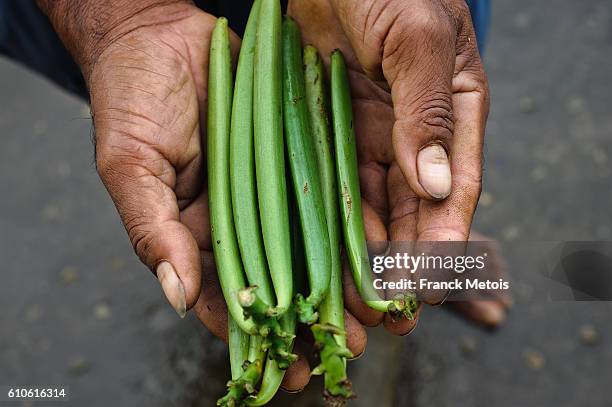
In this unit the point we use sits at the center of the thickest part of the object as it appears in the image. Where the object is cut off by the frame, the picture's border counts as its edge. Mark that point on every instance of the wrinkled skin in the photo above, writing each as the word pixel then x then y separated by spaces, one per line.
pixel 148 100
pixel 416 79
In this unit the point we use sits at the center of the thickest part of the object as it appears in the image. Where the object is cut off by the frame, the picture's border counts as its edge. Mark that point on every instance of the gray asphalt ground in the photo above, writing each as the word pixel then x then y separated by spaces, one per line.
pixel 78 310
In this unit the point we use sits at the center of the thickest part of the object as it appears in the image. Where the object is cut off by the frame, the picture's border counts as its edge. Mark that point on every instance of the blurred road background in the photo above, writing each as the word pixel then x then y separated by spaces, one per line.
pixel 78 310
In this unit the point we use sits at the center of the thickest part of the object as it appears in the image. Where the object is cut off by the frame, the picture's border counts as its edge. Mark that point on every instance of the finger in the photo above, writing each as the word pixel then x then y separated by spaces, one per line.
pixel 150 213
pixel 355 305
pixel 195 217
pixel 403 207
pixel 497 266
pixel 403 326
pixel 421 91
pixel 491 312
pixel 356 336
pixel 372 177
pixel 149 160
pixel 297 375
pixel 211 309
pixel 402 231
pixel 373 126
pixel 375 232
pixel 451 219
pixel 319 25
pixel 487 313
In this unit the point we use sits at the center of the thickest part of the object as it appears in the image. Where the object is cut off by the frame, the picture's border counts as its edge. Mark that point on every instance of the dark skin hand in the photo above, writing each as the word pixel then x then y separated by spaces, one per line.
pixel 418 85
pixel 145 64
pixel 147 78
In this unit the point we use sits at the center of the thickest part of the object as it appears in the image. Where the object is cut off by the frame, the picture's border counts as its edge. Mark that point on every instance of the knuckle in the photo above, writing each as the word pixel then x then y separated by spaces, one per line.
pixel 141 237
pixel 121 157
pixel 430 22
pixel 104 166
pixel 425 26
pixel 430 119
pixel 457 10
pixel 436 113
pixel 113 156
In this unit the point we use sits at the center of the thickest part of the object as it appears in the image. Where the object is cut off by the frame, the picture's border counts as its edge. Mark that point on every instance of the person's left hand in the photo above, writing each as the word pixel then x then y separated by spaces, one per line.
pixel 392 210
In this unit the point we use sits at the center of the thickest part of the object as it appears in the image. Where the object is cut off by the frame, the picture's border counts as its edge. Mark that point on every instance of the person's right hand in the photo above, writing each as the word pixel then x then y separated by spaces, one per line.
pixel 148 89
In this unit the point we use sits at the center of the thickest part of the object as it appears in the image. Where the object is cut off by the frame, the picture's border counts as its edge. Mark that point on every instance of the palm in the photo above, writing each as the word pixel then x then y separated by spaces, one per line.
pixel 392 210
pixel 389 205
pixel 149 116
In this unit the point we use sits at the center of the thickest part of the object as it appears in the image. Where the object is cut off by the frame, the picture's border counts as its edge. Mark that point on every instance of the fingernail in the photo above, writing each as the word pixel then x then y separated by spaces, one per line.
pixel 434 171
pixel 491 314
pixel 411 329
pixel 292 391
pixel 355 357
pixel 173 287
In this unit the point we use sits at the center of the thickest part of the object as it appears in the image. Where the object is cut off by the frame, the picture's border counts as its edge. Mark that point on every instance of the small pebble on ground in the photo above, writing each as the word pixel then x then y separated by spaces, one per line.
pixel 535 360
pixel 589 335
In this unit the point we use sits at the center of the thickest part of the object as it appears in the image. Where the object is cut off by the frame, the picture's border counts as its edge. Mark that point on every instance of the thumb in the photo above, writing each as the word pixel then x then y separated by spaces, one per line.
pixel 135 177
pixel 421 91
pixel 413 48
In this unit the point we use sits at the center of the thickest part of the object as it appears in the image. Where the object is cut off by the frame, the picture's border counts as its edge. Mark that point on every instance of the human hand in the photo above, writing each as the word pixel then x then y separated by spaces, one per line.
pixel 148 89
pixel 420 96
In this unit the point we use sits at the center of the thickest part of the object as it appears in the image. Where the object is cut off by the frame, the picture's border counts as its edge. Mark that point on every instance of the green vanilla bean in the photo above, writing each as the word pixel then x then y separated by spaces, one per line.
pixel 244 194
pixel 246 365
pixel 225 246
pixel 338 388
pixel 239 389
pixel 273 373
pixel 269 151
pixel 245 373
pixel 331 310
pixel 276 341
pixel 306 183
pixel 255 350
pixel 242 167
pixel 350 196
pixel 239 345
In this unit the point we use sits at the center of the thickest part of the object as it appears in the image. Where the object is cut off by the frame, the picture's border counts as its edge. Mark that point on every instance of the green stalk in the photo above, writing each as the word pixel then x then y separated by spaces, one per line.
pixel 239 345
pixel 332 308
pixel 350 196
pixel 338 388
pixel 245 373
pixel 306 183
pixel 225 247
pixel 255 348
pixel 242 167
pixel 276 340
pixel 273 375
pixel 330 336
pixel 269 151
pixel 238 390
